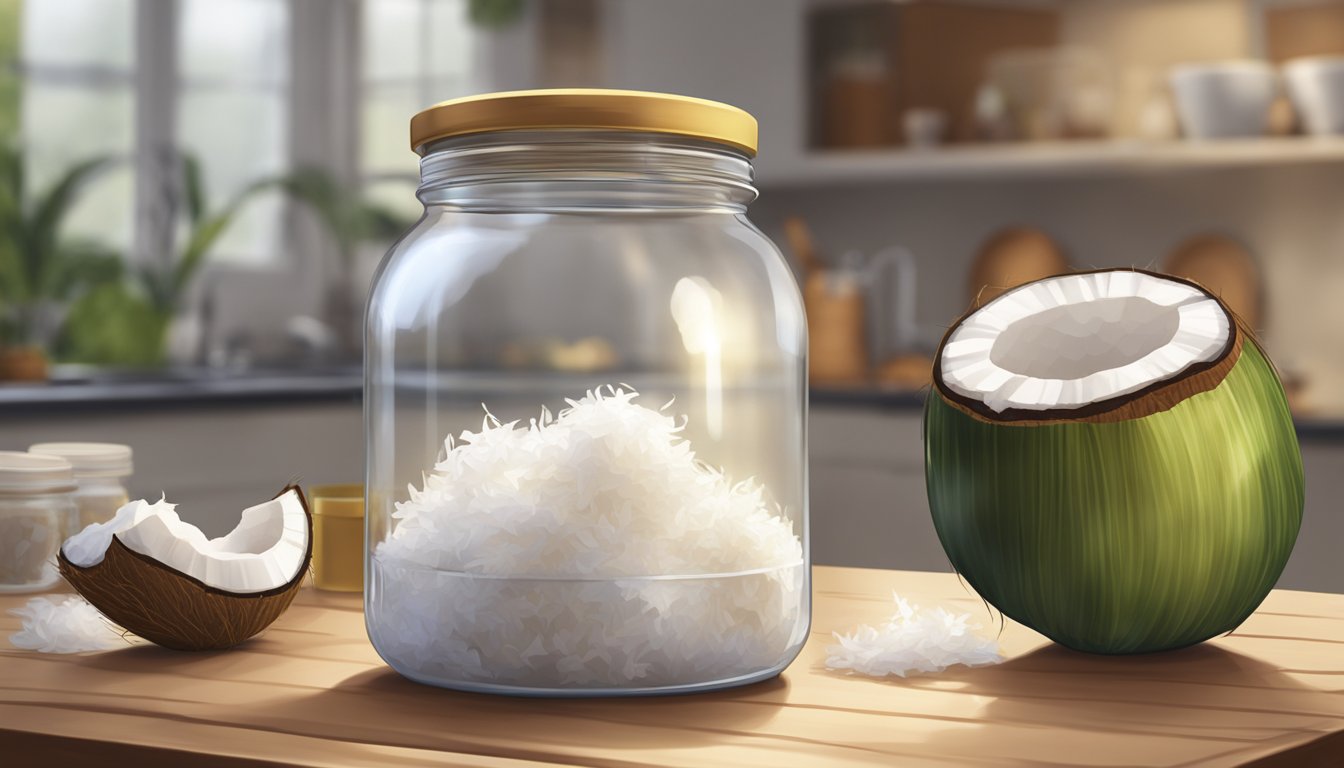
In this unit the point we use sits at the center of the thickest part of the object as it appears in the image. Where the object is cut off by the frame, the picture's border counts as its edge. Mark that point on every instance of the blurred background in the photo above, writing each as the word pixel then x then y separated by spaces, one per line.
pixel 194 195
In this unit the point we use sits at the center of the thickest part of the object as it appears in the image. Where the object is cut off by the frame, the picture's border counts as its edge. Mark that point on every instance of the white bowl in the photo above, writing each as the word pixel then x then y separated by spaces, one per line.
pixel 1223 100
pixel 1316 88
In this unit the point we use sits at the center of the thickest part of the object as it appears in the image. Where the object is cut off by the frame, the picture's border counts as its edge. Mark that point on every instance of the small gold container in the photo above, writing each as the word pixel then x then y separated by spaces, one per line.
pixel 338 537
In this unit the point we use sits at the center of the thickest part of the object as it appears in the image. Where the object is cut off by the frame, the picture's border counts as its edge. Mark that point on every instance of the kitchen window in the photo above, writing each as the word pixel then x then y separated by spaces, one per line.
pixel 233 113
pixel 143 80
pixel 210 82
pixel 77 101
pixel 416 53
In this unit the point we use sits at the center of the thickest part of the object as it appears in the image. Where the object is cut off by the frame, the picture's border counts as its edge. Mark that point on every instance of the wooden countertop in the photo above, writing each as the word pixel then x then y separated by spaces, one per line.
pixel 312 692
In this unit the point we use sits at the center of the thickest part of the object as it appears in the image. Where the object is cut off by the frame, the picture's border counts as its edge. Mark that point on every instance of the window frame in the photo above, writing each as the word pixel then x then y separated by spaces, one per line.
pixel 155 82
pixel 82 76
pixel 324 112
pixel 159 86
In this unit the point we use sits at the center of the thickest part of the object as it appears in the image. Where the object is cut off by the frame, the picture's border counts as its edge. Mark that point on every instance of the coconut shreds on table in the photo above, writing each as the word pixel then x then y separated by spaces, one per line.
pixel 590 549
pixel 66 624
pixel 914 640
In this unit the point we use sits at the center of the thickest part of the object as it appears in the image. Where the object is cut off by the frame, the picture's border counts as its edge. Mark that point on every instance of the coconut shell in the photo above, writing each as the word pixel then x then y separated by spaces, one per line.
pixel 1149 522
pixel 169 608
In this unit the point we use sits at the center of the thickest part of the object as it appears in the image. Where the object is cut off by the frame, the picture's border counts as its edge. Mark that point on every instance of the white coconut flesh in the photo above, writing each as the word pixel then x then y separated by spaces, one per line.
pixel 1073 340
pixel 265 551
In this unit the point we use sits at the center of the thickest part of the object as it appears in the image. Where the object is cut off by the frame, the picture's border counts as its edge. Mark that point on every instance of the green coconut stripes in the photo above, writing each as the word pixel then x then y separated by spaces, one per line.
pixel 1123 536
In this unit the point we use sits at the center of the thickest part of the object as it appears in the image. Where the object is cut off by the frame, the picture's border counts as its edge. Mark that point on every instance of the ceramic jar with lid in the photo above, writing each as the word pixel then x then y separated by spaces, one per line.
pixel 37 509
pixel 101 470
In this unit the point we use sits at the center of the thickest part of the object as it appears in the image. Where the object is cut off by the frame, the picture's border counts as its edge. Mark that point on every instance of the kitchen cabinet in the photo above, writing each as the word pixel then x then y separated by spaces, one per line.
pixel 1315 564
pixel 311 691
pixel 868 504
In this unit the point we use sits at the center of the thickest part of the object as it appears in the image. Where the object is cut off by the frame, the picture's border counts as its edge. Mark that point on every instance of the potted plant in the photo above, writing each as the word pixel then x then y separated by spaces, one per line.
pixel 41 269
pixel 126 322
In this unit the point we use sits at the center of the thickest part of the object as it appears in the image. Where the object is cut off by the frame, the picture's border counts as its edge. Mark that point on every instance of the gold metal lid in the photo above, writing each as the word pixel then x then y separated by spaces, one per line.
pixel 587 108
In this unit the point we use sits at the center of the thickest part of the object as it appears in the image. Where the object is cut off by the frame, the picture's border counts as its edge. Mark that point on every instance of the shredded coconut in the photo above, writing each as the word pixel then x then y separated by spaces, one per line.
pixel 589 550
pixel 68 624
pixel 914 640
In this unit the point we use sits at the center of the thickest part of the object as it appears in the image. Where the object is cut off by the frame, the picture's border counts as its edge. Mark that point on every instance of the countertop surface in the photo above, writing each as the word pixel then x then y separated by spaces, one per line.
pixel 311 691
pixel 188 387
pixel 203 388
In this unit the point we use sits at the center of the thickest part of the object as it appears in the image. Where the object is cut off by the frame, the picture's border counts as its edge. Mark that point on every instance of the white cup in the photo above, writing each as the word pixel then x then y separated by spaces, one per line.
pixel 924 127
pixel 1225 99
pixel 1316 88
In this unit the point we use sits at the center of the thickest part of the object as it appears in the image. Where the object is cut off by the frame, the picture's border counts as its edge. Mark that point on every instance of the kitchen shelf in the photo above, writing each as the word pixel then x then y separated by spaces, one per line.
pixel 1043 160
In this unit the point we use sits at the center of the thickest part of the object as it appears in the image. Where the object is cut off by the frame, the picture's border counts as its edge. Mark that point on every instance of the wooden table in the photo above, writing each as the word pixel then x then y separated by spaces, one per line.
pixel 312 692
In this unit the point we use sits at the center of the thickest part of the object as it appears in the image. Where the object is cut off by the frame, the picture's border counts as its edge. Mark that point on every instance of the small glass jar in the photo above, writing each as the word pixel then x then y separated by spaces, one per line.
pixel 100 473
pixel 37 507
pixel 338 536
pixel 629 515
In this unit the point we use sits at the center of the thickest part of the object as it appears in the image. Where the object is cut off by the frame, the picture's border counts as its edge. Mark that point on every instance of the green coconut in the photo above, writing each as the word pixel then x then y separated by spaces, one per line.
pixel 1111 461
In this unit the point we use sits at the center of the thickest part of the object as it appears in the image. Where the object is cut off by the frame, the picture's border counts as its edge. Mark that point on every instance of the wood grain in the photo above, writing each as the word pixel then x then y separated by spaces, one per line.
pixel 311 691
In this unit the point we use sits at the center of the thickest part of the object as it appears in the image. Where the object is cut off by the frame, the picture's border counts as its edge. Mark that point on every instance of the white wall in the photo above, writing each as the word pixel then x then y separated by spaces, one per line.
pixel 749 53
pixel 1144 38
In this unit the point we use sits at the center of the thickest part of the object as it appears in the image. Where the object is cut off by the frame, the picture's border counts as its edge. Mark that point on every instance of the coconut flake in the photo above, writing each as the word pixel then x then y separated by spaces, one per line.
pixel 914 640
pixel 88 546
pixel 66 625
pixel 592 549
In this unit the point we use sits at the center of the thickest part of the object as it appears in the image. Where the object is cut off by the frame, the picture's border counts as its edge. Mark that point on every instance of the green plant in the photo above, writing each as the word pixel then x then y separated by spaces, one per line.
pixel 344 212
pixel 494 14
pixel 126 322
pixel 39 268
pixel 351 219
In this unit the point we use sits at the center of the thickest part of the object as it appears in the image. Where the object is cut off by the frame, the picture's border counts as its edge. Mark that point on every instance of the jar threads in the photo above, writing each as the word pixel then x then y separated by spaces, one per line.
pixel 37 508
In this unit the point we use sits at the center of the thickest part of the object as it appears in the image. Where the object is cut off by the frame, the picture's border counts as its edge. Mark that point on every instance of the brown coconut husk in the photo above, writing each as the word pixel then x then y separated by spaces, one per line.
pixel 170 608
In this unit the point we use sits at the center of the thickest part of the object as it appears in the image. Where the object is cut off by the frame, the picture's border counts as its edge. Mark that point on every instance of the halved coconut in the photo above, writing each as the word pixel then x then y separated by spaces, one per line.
pixel 162 579
pixel 1111 460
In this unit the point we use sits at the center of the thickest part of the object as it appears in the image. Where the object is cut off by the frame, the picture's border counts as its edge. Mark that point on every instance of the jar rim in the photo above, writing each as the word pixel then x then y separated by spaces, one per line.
pixel 90 459
pixel 587 108
pixel 34 473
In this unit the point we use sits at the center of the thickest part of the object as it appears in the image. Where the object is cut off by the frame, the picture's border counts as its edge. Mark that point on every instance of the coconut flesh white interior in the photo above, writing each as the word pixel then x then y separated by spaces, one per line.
pixel 1073 340
pixel 265 551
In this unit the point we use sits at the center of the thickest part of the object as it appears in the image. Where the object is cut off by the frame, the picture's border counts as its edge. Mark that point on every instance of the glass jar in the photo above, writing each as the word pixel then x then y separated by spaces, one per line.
pixel 100 473
pixel 37 507
pixel 338 536
pixel 629 514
